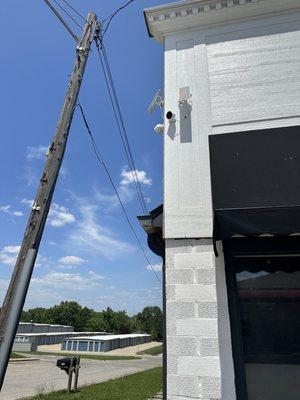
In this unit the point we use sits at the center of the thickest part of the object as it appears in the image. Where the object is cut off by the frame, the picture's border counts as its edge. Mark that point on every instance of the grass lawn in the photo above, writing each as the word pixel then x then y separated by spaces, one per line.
pixel 153 351
pixel 89 356
pixel 141 386
pixel 15 355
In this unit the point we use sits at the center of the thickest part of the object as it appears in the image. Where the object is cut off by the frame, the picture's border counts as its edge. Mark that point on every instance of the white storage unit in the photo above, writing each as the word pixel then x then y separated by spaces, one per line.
pixel 50 338
pixel 31 327
pixel 104 343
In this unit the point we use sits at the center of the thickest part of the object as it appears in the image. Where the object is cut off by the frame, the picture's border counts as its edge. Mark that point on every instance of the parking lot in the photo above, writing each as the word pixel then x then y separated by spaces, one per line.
pixel 27 378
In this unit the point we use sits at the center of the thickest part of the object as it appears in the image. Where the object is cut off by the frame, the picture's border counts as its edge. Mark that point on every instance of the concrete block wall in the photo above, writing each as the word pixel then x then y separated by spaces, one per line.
pixel 200 364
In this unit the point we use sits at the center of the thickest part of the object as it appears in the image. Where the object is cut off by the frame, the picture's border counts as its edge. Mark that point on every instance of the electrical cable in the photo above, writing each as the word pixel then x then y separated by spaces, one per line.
pixel 134 170
pixel 68 14
pixel 113 15
pixel 120 123
pixel 74 9
pixel 103 164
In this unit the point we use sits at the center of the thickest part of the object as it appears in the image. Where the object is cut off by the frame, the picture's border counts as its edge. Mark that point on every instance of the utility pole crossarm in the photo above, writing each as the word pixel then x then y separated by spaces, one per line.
pixel 18 287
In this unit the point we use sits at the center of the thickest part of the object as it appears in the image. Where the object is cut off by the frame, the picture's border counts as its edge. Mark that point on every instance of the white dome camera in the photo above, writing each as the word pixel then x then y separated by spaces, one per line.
pixel 159 128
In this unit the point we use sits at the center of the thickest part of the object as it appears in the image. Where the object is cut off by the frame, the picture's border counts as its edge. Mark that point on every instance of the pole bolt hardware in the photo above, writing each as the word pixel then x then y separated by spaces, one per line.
pixel 35 207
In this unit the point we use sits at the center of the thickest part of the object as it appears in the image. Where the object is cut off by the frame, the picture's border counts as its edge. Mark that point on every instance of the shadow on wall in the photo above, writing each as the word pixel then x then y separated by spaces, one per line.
pixel 224 333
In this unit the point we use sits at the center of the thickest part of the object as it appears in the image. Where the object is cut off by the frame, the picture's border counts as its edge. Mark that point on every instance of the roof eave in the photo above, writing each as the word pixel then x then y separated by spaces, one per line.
pixel 185 15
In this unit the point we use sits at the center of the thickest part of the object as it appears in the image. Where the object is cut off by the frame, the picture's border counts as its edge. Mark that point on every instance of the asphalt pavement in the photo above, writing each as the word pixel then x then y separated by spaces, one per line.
pixel 28 378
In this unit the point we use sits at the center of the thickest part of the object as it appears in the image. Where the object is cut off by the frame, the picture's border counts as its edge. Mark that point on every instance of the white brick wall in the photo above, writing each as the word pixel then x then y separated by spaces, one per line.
pixel 200 362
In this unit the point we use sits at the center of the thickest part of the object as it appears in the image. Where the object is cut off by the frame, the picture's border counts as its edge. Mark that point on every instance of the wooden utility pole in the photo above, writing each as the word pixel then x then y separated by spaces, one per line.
pixel 16 294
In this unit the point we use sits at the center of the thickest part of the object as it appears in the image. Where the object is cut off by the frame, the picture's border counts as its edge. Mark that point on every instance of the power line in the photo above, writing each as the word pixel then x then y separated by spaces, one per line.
pixel 134 170
pixel 68 14
pixel 57 14
pixel 119 119
pixel 113 15
pixel 74 9
pixel 103 164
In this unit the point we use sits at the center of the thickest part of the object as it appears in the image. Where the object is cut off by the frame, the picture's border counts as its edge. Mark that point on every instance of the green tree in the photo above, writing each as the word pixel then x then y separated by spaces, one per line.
pixel 71 313
pixel 96 323
pixel 150 321
pixel 37 315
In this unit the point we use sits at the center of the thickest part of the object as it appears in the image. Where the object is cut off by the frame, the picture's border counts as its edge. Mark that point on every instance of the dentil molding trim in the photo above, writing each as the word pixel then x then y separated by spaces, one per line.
pixel 185 15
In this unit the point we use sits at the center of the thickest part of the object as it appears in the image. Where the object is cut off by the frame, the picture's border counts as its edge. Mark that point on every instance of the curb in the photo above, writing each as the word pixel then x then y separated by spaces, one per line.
pixel 17 360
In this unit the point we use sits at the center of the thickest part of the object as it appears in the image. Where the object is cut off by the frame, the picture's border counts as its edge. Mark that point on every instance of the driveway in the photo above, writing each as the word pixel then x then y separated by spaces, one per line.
pixel 28 378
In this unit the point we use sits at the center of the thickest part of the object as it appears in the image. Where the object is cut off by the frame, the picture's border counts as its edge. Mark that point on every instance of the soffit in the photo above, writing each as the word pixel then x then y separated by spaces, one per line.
pixel 184 15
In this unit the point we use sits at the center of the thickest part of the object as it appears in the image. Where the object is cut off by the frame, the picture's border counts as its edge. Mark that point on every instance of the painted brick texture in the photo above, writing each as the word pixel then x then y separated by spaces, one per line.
pixel 197 313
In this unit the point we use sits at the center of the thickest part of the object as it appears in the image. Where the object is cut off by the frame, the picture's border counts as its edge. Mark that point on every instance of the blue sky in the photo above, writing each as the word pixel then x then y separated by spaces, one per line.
pixel 88 253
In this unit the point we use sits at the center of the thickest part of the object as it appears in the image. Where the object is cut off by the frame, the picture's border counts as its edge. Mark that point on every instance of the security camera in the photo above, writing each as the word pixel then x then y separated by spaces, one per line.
pixel 171 117
pixel 159 128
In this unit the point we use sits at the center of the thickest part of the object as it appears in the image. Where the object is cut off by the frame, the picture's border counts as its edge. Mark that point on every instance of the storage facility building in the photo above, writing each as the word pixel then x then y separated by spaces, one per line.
pixel 30 341
pixel 31 327
pixel 104 343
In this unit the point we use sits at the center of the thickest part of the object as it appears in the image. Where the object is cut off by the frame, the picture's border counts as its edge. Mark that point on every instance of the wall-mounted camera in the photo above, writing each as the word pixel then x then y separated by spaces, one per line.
pixel 171 117
pixel 159 128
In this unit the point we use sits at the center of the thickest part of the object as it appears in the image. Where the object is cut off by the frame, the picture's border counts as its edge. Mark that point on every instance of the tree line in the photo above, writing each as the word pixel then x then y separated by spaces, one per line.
pixel 85 319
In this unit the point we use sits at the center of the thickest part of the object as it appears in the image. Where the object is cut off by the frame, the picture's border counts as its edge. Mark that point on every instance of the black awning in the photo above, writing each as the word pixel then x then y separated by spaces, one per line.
pixel 256 182
pixel 153 226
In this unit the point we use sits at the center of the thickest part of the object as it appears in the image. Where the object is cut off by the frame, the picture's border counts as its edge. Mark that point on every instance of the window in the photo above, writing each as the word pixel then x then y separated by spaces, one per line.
pixel 264 300
pixel 82 346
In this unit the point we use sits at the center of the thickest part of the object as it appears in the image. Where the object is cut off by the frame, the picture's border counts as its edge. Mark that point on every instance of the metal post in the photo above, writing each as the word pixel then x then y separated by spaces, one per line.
pixel 15 298
pixel 77 367
pixel 70 373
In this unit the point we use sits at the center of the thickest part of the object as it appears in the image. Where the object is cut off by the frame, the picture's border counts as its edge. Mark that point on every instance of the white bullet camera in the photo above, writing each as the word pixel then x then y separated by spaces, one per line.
pixel 171 117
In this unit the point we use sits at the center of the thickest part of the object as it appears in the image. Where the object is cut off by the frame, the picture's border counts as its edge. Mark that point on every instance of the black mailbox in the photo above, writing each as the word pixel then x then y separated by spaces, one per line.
pixel 66 363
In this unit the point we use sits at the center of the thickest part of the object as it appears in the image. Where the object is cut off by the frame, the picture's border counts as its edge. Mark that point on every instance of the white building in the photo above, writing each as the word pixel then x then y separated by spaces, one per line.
pixel 104 343
pixel 231 177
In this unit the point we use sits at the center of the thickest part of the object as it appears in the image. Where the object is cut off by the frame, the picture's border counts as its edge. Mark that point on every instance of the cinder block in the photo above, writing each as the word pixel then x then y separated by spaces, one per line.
pixel 207 309
pixel 209 347
pixel 211 388
pixel 179 310
pixel 172 364
pixel 170 262
pixel 205 276
pixel 170 292
pixel 174 246
pixel 195 292
pixel 186 386
pixel 194 260
pixel 180 276
pixel 171 327
pixel 197 327
pixel 182 346
pixel 199 366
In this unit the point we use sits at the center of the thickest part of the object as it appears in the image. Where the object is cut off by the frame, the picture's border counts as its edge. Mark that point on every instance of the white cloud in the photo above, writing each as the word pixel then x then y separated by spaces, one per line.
pixel 30 176
pixel 72 260
pixel 111 201
pixel 28 202
pixel 7 209
pixel 36 152
pixel 60 216
pixel 128 177
pixel 89 235
pixel 154 267
pixel 8 255
pixel 11 249
pixel 94 276
pixel 64 280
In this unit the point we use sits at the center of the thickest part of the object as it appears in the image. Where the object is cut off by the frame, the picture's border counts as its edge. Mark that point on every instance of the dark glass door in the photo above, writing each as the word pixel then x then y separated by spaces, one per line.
pixel 267 291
